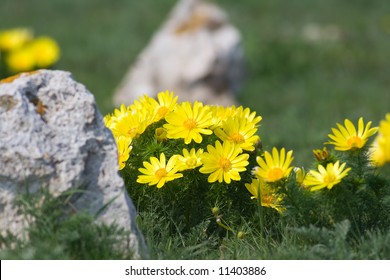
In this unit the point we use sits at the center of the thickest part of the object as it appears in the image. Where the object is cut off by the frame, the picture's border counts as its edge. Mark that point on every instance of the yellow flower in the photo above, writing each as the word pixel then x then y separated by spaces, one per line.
pixel 247 114
pixel 124 150
pixel 189 159
pixel 46 51
pixel 108 120
pixel 14 38
pixel 129 125
pixel 239 131
pixel 220 114
pixel 268 196
pixel 380 151
pixel 20 60
pixel 299 174
pixel 158 172
pixel 326 177
pixel 274 167
pixel 223 162
pixel 111 119
pixel 166 103
pixel 347 138
pixel 143 103
pixel 188 122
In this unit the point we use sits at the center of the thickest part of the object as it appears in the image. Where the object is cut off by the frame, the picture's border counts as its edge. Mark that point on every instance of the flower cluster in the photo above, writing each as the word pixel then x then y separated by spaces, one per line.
pixel 272 169
pixel 221 144
pixel 345 139
pixel 21 52
pixel 217 140
pixel 199 157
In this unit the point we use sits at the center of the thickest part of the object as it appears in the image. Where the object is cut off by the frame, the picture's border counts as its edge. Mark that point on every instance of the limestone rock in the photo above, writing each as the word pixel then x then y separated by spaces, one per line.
pixel 196 53
pixel 52 136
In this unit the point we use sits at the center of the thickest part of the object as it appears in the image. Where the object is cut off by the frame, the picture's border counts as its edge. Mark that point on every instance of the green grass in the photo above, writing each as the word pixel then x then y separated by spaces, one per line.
pixel 300 88
pixel 57 232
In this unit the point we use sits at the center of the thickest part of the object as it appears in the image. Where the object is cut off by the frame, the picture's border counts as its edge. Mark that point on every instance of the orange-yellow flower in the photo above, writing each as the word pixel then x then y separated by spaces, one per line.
pixel 189 159
pixel 188 122
pixel 224 162
pixel 166 103
pixel 268 196
pixel 158 172
pixel 124 149
pixel 326 177
pixel 347 138
pixel 274 167
pixel 239 131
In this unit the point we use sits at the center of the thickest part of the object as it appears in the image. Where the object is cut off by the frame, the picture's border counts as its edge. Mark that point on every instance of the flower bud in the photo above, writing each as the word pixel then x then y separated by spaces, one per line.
pixel 321 155
pixel 161 134
pixel 240 235
pixel 215 210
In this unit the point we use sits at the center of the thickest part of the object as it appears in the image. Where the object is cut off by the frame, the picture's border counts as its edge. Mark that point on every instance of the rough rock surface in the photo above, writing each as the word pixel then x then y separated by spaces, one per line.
pixel 196 53
pixel 52 136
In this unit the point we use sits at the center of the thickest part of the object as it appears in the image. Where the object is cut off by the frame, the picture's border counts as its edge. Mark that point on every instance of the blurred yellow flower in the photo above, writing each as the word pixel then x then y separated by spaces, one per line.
pixel 268 196
pixel 158 172
pixel 347 138
pixel 46 51
pixel 22 53
pixel 188 122
pixel 224 162
pixel 189 159
pixel 124 150
pixel 14 38
pixel 20 60
pixel 325 177
pixel 299 174
pixel 274 167
pixel 380 151
pixel 239 131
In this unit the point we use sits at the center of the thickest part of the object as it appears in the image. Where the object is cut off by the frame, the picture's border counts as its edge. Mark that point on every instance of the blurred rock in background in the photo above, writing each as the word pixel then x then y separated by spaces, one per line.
pixel 196 53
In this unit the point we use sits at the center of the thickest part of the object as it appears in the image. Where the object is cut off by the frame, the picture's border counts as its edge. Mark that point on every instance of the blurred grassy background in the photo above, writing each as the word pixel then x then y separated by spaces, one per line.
pixel 301 87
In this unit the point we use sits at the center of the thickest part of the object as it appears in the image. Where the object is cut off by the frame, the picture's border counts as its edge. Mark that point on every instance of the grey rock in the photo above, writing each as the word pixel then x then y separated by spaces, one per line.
pixel 196 53
pixel 53 136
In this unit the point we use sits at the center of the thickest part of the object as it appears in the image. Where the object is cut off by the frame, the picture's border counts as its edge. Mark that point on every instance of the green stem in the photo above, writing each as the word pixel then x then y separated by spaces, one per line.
pixel 260 213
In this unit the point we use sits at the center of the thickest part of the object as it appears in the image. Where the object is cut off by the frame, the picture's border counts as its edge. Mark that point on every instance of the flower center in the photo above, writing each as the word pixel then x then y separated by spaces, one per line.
pixel 132 132
pixel 355 142
pixel 191 162
pixel 189 124
pixel 329 178
pixel 225 164
pixel 275 174
pixel 159 173
pixel 162 111
pixel 267 200
pixel 237 138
